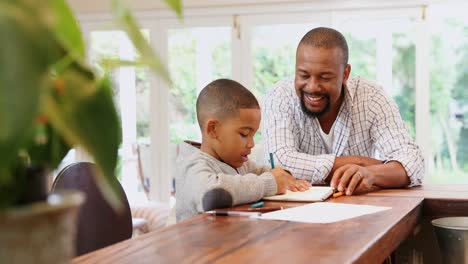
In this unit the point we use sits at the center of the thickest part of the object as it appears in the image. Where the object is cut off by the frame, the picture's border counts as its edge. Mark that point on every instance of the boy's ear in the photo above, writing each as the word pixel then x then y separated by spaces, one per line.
pixel 211 127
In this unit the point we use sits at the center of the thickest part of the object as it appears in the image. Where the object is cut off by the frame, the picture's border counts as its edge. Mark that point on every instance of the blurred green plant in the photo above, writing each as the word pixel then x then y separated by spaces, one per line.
pixel 50 98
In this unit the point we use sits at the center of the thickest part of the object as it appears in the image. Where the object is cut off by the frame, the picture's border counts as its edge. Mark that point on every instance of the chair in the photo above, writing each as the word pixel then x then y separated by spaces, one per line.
pixel 98 224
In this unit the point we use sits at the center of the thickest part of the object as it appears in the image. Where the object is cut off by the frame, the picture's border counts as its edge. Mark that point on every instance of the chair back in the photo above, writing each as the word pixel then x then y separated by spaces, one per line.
pixel 99 225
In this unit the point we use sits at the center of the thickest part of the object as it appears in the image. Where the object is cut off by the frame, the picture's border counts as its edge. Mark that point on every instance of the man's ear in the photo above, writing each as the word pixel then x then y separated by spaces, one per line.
pixel 211 127
pixel 346 73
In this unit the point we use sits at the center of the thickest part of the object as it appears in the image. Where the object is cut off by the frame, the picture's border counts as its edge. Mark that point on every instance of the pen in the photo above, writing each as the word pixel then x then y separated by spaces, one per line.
pixel 265 209
pixel 234 213
pixel 272 162
pixel 257 205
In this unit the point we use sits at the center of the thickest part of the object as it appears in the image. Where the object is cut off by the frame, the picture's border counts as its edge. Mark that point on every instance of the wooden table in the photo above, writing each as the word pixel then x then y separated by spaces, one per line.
pixel 210 239
pixel 439 200
pixel 365 239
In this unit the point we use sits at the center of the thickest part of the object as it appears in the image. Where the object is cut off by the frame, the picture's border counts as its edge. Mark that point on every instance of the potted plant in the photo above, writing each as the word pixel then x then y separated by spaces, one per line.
pixel 50 101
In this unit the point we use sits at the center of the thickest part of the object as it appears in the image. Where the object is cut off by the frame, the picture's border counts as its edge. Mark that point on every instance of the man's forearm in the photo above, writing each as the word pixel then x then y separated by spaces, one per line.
pixel 389 175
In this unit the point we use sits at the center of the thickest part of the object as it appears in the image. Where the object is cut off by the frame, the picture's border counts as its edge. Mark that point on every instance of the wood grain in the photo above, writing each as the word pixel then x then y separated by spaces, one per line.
pixel 439 200
pixel 227 239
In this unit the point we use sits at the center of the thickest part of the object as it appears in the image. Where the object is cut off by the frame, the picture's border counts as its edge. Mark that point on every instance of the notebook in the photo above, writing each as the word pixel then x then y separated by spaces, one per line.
pixel 314 194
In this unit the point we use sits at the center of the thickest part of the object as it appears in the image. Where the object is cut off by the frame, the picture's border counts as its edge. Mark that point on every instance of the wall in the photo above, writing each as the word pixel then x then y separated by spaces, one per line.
pixel 93 6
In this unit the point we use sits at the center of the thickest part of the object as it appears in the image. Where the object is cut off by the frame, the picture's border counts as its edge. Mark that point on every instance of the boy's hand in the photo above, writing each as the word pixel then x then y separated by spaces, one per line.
pixel 281 178
pixel 298 185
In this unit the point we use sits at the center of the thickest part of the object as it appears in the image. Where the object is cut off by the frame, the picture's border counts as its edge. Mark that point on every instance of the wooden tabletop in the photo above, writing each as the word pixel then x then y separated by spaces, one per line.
pixel 228 239
pixel 442 191
pixel 441 200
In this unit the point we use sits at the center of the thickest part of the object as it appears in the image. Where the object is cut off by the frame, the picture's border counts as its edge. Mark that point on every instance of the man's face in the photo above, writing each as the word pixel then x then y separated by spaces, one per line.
pixel 235 137
pixel 320 75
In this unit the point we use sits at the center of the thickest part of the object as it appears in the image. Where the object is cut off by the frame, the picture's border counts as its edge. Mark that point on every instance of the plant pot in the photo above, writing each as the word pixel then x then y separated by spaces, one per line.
pixel 42 232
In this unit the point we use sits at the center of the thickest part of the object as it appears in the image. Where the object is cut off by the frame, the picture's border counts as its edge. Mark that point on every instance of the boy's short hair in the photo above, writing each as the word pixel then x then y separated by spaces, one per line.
pixel 223 98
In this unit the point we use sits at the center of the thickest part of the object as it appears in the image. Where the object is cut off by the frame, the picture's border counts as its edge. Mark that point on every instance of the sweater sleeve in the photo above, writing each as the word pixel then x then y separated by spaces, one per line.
pixel 212 189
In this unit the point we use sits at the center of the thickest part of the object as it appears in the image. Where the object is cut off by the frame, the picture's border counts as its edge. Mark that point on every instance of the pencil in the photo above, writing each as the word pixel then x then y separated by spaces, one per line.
pixel 272 162
pixel 337 194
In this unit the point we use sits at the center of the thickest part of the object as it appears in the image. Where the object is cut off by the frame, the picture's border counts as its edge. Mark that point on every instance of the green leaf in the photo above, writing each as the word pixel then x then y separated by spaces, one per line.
pixel 175 5
pixel 25 55
pixel 46 147
pixel 125 19
pixel 115 63
pixel 67 29
pixel 9 187
pixel 83 111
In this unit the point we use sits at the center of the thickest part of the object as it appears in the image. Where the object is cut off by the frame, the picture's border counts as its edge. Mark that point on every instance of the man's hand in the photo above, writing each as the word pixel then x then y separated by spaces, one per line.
pixel 347 160
pixel 353 179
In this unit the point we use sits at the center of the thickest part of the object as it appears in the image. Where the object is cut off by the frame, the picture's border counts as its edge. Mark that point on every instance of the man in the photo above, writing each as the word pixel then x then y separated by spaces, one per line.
pixel 325 126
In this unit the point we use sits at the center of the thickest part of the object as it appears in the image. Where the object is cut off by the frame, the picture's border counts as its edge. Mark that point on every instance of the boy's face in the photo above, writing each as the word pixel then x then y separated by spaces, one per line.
pixel 235 137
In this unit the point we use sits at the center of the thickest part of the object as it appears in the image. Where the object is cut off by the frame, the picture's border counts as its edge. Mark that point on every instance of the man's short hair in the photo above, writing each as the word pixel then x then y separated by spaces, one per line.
pixel 223 98
pixel 327 38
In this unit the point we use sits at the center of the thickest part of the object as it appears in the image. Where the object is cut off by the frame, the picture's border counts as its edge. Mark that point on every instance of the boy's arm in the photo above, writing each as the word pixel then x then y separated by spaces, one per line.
pixel 255 168
pixel 218 190
pixel 292 183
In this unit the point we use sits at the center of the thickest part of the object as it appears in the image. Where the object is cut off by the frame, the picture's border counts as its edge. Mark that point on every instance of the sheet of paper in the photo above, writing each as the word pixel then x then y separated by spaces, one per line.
pixel 322 212
pixel 315 193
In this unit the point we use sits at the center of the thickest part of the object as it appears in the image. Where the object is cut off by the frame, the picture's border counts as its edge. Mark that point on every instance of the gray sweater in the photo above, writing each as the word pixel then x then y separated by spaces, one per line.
pixel 204 183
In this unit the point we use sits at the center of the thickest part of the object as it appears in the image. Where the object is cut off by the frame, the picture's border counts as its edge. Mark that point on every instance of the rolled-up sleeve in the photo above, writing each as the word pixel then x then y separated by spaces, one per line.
pixel 392 138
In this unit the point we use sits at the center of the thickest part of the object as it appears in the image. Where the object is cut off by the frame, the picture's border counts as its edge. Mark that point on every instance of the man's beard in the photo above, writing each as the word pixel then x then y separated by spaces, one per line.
pixel 311 113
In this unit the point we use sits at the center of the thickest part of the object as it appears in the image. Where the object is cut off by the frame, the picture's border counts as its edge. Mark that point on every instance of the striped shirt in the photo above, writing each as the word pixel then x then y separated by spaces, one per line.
pixel 368 124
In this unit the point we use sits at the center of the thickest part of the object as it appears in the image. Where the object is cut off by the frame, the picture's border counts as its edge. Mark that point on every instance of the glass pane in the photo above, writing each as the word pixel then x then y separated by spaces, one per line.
pixel 362 55
pixel 131 95
pixel 142 89
pixel 404 76
pixel 274 53
pixel 386 57
pixel 449 94
pixel 197 56
pixel 273 59
pixel 103 47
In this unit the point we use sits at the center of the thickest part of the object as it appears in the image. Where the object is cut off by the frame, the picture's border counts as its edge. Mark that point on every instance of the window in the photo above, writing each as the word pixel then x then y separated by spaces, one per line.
pixel 388 56
pixel 131 95
pixel 419 57
pixel 448 51
pixel 196 56
pixel 274 53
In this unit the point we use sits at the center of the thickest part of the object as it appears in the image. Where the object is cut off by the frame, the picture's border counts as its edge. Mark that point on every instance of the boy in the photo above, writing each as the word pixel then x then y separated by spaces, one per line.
pixel 219 174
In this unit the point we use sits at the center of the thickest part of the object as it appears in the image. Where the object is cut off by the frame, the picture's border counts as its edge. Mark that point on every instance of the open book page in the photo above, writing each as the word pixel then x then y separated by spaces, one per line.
pixel 322 212
pixel 314 194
